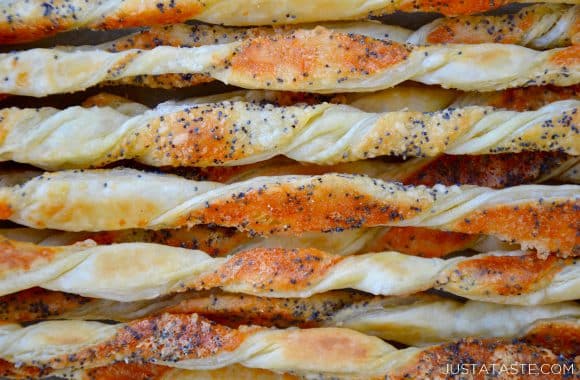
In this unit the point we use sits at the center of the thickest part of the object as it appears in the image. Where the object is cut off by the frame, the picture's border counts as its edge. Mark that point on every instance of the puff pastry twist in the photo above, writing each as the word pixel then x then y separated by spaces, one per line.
pixel 135 271
pixel 191 342
pixel 537 26
pixel 317 60
pixel 234 133
pixel 407 319
pixel 541 27
pixel 33 19
pixel 538 217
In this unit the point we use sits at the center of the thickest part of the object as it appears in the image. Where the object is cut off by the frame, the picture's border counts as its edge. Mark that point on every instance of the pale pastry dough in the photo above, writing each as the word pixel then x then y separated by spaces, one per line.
pixel 188 341
pixel 317 60
pixel 536 216
pixel 405 319
pixel 136 271
pixel 237 133
pixel 34 19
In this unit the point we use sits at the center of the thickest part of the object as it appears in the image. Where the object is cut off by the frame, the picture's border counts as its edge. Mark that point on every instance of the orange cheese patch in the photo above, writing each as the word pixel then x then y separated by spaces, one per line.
pixel 302 57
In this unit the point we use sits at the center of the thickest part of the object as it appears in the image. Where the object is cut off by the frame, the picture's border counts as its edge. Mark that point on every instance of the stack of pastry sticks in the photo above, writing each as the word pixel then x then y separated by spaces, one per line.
pixel 372 201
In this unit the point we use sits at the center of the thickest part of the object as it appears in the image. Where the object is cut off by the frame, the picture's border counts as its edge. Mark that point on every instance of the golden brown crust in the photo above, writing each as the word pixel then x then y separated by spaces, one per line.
pixel 433 363
pixel 505 275
pixel 352 55
pixel 275 269
pixel 562 337
pixel 422 242
pixel 305 208
pixel 37 303
pixel 556 221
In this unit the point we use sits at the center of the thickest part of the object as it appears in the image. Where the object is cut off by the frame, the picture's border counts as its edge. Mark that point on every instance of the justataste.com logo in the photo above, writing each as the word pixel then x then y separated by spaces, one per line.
pixel 531 369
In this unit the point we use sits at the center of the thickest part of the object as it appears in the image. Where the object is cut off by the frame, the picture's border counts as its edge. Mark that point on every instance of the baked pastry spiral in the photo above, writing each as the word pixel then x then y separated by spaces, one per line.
pixel 136 271
pixel 234 133
pixel 537 217
pixel 348 63
pixel 188 341
pixel 35 19
pixel 404 319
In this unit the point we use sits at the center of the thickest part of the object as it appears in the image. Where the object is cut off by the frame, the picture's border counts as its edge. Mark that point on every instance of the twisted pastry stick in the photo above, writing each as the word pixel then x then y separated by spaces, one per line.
pixel 136 271
pixel 349 63
pixel 408 320
pixel 232 133
pixel 191 342
pixel 183 35
pixel 35 19
pixel 539 27
pixel 541 217
pixel 492 171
